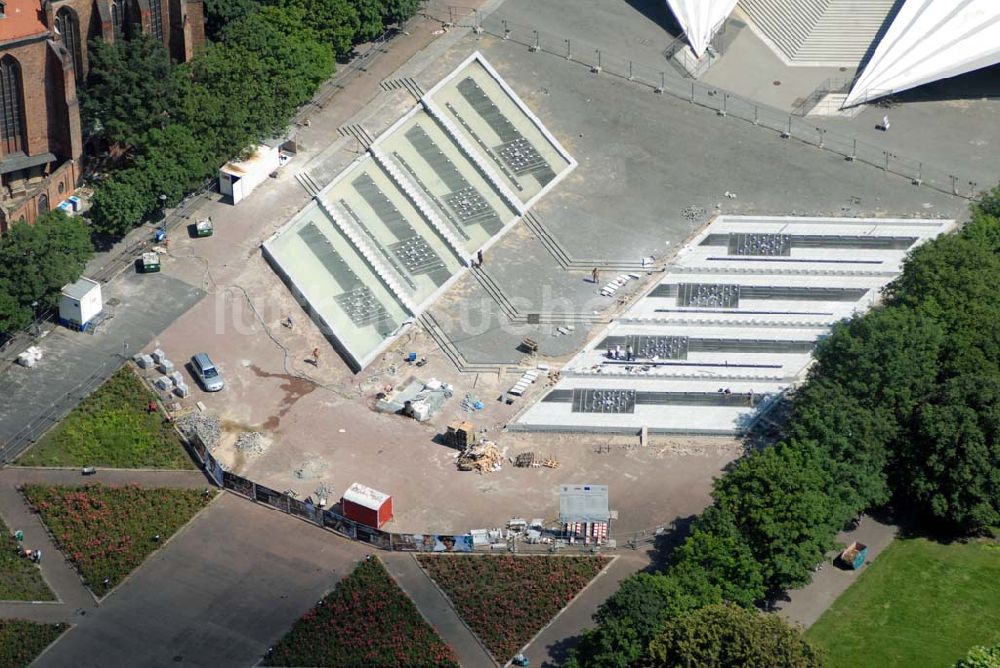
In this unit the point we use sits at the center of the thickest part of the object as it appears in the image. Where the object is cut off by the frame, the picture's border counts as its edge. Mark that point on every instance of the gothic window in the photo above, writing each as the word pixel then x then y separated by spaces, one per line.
pixel 43 204
pixel 132 19
pixel 68 25
pixel 11 106
pixel 117 19
pixel 156 16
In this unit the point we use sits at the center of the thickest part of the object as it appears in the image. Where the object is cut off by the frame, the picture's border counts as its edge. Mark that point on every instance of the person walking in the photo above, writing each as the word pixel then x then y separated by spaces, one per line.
pixel 885 123
pixel 479 257
pixel 595 275
pixel 629 355
pixel 316 357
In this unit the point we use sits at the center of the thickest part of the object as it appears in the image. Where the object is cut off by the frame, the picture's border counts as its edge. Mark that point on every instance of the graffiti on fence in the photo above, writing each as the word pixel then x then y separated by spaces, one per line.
pixel 271 497
pixel 341 525
pixel 379 539
pixel 238 484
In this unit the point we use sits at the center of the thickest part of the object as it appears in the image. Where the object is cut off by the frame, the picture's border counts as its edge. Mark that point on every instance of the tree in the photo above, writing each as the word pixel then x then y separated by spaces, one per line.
pixel 398 11
pixel 13 316
pixel 220 13
pixel 131 87
pixel 716 556
pixel 370 19
pixel 629 619
pixel 726 636
pixel 787 508
pixel 36 261
pixel 335 22
pixel 856 438
pixel 122 202
pixel 981 657
pixel 952 463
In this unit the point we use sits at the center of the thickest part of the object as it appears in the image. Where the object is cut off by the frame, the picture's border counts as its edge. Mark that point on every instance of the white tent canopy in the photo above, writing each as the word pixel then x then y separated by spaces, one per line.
pixel 700 19
pixel 927 41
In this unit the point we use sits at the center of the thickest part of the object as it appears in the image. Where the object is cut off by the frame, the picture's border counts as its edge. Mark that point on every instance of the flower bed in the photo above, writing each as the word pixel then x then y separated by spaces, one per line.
pixel 112 428
pixel 20 580
pixel 106 532
pixel 22 641
pixel 507 599
pixel 366 622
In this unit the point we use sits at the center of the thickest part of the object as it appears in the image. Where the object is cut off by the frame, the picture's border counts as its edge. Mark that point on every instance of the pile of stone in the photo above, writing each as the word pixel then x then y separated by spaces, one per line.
pixel 251 443
pixel 205 425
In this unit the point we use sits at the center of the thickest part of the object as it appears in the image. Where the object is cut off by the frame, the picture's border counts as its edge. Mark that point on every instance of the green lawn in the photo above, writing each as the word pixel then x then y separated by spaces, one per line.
pixel 22 641
pixel 112 428
pixel 920 603
pixel 20 579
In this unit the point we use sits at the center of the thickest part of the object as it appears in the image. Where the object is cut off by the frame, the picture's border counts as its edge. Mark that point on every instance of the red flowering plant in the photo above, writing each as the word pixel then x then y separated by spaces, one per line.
pixel 106 532
pixel 507 599
pixel 22 641
pixel 366 622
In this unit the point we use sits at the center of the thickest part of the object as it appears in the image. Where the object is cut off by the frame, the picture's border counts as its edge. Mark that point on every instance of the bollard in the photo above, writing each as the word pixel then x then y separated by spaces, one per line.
pixel 854 151
pixel 534 47
pixel 920 174
pixel 663 84
pixel 569 51
pixel 596 69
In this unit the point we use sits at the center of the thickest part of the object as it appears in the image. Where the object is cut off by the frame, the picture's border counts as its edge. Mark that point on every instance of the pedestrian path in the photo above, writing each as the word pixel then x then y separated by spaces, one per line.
pixel 434 606
pixel 57 571
pixel 549 648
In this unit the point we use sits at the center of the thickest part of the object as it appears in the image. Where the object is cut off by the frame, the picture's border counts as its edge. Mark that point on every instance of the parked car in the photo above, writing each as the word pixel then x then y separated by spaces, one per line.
pixel 207 373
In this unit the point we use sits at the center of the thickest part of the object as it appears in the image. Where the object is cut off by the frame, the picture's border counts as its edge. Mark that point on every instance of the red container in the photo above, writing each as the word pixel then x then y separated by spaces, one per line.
pixel 366 506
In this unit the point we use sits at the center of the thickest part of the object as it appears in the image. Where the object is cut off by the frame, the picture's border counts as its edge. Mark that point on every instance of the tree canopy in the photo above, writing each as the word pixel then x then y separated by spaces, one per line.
pixel 181 123
pixel 726 636
pixel 36 261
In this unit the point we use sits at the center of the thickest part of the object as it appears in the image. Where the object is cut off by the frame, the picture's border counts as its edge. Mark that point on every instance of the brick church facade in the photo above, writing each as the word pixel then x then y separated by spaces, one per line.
pixel 43 58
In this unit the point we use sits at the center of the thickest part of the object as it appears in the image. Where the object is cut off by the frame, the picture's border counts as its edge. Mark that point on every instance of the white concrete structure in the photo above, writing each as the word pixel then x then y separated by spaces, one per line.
pixel 701 19
pixel 80 303
pixel 729 326
pixel 930 40
pixel 395 229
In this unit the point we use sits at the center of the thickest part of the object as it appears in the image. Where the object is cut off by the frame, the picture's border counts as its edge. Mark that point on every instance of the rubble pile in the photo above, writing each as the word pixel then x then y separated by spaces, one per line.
pixel 205 425
pixel 251 443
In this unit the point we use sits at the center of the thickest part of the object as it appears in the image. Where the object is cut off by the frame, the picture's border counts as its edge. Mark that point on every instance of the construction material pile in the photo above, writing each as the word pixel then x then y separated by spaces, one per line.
pixel 529 460
pixel 484 457
pixel 251 443
pixel 206 426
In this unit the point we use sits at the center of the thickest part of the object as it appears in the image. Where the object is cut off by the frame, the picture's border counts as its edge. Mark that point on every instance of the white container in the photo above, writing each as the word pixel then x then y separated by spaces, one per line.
pixel 163 383
pixel 176 377
pixel 159 355
pixel 182 390
pixel 81 302
pixel 166 367
pixel 26 360
pixel 144 361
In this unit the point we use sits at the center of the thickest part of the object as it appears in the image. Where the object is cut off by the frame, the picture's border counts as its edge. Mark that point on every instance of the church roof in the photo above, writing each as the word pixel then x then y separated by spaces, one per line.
pixel 930 40
pixel 21 18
